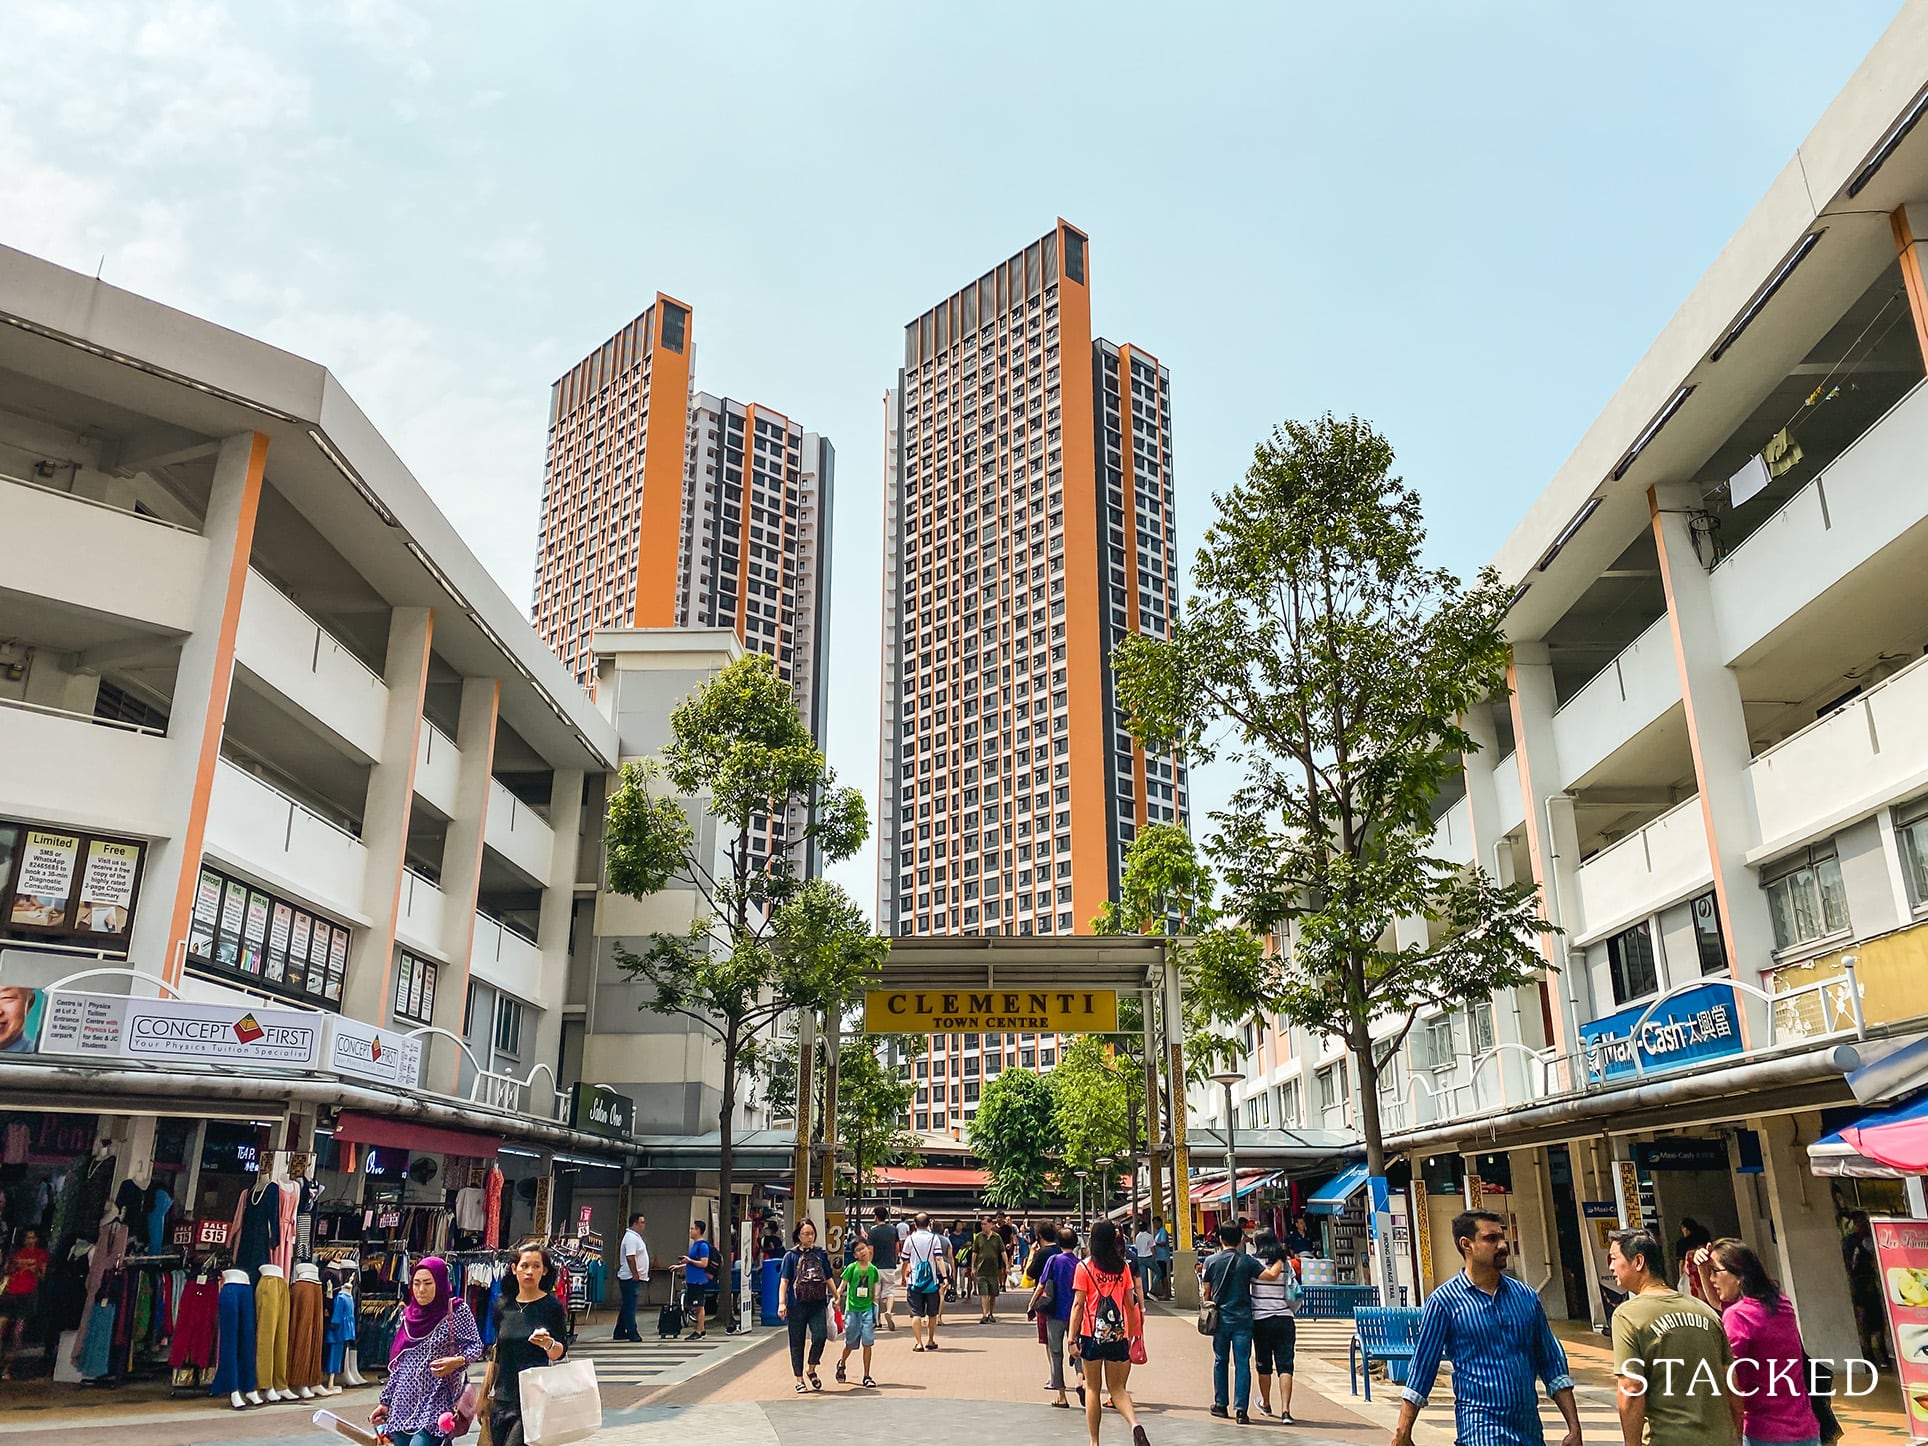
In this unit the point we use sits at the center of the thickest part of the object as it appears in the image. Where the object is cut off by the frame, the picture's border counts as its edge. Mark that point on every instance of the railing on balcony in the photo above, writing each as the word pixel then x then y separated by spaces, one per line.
pixel 97 502
pixel 24 706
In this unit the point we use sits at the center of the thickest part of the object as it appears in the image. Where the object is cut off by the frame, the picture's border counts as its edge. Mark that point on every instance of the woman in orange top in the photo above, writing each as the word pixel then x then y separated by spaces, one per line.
pixel 1108 1329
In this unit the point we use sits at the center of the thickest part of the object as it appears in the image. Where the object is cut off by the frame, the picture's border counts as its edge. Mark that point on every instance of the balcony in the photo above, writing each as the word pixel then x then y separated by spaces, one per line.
pixel 504 958
pixel 519 834
pixel 299 660
pixel 75 769
pixel 1509 811
pixel 1453 835
pixel 262 831
pixel 438 766
pixel 90 555
pixel 420 913
pixel 1844 766
pixel 1655 866
pixel 1630 695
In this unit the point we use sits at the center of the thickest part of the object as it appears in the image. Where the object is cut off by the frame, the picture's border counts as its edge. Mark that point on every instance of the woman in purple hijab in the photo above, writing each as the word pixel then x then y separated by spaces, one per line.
pixel 434 1347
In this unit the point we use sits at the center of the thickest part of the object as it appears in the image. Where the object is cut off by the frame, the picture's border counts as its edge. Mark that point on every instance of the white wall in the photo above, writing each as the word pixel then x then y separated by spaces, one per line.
pixel 301 661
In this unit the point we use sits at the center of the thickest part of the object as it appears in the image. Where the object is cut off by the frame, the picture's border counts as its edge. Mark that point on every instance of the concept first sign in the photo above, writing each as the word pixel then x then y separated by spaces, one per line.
pixel 991 1011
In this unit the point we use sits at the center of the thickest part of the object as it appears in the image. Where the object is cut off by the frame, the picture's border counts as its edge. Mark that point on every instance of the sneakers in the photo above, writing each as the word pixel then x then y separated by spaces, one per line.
pixel 1244 1418
pixel 1138 1437
pixel 1221 1413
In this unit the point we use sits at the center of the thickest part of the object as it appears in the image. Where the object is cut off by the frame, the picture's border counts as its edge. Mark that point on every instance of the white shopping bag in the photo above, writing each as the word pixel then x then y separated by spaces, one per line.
pixel 560 1403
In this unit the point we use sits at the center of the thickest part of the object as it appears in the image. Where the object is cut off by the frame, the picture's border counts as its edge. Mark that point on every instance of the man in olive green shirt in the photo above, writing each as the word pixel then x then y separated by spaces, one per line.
pixel 1670 1354
pixel 988 1265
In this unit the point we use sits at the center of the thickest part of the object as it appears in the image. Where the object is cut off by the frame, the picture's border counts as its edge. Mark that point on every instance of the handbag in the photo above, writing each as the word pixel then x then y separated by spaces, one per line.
pixel 1138 1354
pixel 485 1436
pixel 1208 1318
pixel 560 1403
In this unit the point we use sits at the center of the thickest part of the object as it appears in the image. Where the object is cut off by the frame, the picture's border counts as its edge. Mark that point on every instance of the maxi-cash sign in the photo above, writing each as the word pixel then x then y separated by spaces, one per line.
pixel 107 1026
pixel 1690 1028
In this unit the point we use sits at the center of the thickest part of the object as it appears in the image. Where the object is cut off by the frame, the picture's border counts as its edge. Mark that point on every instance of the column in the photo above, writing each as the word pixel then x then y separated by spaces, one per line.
pixel 1549 834
pixel 1717 736
pixel 1805 1254
pixel 558 904
pixel 1910 225
pixel 198 711
pixel 385 817
pixel 462 870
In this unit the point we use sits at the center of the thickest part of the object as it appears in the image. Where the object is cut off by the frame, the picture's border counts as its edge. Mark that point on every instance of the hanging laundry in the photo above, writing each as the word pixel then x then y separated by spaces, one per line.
pixel 1782 454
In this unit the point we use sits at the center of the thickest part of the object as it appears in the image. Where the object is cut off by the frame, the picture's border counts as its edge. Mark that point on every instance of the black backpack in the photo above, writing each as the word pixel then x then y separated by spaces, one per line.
pixel 1105 1315
pixel 812 1280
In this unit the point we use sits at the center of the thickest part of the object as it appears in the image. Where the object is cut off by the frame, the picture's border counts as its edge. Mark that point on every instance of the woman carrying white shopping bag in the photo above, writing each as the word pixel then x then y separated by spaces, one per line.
pixel 560 1403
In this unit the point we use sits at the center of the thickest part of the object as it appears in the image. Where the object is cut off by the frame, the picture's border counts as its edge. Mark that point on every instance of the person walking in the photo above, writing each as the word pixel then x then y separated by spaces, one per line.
pixel 1143 1254
pixel 1056 1264
pixel 1670 1354
pixel 1161 1256
pixel 632 1274
pixel 857 1298
pixel 1108 1318
pixel 957 1243
pixel 803 1302
pixel 696 1262
pixel 1495 1332
pixel 1693 1260
pixel 435 1346
pixel 922 1255
pixel 1770 1363
pixel 20 1282
pixel 989 1263
pixel 883 1255
pixel 1274 1329
pixel 531 1330
pixel 1227 1284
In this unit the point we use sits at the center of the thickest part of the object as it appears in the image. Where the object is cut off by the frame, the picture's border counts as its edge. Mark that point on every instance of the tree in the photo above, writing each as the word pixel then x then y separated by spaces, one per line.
pixel 872 1103
pixel 1095 1096
pixel 1320 649
pixel 1011 1135
pixel 770 940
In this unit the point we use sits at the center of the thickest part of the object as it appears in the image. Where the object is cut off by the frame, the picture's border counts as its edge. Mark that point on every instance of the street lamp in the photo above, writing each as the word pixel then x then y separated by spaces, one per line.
pixel 1083 1222
pixel 1228 1078
pixel 1106 1179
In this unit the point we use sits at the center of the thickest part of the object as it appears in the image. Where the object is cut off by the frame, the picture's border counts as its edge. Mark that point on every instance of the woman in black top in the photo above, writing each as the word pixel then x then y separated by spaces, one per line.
pixel 801 1307
pixel 529 1330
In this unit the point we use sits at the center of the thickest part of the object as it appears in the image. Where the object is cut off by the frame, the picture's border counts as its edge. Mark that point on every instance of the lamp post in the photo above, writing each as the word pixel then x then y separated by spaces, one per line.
pixel 1107 1178
pixel 1228 1078
pixel 1084 1223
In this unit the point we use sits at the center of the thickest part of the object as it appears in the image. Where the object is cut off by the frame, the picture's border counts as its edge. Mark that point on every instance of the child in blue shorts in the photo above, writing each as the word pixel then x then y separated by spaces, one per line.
pixel 857 1297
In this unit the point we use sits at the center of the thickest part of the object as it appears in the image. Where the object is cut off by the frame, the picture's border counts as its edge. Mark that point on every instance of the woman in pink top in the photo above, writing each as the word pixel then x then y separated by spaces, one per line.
pixel 1770 1366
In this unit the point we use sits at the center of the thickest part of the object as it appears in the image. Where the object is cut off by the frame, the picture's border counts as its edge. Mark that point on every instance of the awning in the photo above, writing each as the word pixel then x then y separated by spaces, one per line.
pixel 1330 1198
pixel 1887 1144
pixel 1248 1181
pixel 933 1178
pixel 354 1127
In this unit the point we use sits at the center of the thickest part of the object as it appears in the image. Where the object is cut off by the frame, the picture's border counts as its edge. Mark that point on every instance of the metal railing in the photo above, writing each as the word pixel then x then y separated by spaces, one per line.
pixel 90 718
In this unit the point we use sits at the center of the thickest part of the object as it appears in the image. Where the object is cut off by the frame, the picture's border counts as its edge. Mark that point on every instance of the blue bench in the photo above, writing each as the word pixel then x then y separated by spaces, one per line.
pixel 1381 1333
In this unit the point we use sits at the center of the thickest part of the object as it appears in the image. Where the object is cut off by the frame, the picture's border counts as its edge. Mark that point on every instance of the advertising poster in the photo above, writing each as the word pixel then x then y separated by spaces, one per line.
pixel 234 912
pixel 109 1026
pixel 404 983
pixel 254 942
pixel 47 863
pixel 1901 1253
pixel 207 899
pixel 19 1018
pixel 278 930
pixel 107 886
pixel 337 966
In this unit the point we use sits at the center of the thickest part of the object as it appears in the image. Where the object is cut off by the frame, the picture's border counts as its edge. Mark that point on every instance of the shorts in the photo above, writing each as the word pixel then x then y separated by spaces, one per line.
pixel 1273 1340
pixel 988 1285
pixel 860 1328
pixel 886 1285
pixel 923 1303
pixel 695 1297
pixel 1089 1349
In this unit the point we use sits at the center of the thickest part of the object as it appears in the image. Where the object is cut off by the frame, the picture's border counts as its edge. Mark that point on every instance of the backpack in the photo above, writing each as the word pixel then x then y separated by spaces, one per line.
pixel 923 1275
pixel 812 1282
pixel 1105 1319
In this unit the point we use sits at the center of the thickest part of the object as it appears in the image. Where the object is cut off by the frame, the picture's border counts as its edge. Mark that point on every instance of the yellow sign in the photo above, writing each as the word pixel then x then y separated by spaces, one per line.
pixel 990 1011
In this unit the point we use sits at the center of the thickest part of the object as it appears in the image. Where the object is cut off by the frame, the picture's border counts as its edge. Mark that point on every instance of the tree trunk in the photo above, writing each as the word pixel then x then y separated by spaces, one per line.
pixel 1376 1189
pixel 725 1168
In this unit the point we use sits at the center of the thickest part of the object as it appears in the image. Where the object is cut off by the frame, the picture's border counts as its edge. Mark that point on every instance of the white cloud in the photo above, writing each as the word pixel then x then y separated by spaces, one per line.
pixel 521 252
pixel 389 31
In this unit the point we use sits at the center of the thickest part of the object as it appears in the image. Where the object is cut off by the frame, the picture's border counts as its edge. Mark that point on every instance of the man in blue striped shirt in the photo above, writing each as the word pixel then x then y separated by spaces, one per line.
pixel 1495 1332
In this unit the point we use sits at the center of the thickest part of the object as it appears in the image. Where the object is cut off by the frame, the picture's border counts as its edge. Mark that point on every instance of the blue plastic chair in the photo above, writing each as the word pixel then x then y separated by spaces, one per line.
pixel 1381 1333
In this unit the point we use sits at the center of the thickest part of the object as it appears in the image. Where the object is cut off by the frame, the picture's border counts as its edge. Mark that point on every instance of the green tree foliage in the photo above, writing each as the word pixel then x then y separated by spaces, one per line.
pixel 1320 650
pixel 872 1103
pixel 1095 1096
pixel 769 940
pixel 1011 1135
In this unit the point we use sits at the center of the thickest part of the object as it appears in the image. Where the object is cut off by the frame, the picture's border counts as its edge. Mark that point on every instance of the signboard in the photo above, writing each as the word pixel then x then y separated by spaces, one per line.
pixel 211 1232
pixel 182 1235
pixel 107 886
pixel 582 1223
pixel 991 1011
pixel 110 1026
pixel 1692 1028
pixel 1901 1253
pixel 382 1055
pixel 1682 1154
pixel 1599 1210
pixel 599 1110
pixel 46 879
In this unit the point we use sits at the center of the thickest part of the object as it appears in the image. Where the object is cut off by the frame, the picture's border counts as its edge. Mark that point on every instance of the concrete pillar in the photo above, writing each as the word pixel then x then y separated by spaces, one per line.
pixel 1717 735
pixel 1549 832
pixel 385 817
pixel 197 714
pixel 1590 1182
pixel 1805 1253
pixel 462 869
pixel 1482 802
pixel 1910 225
pixel 558 908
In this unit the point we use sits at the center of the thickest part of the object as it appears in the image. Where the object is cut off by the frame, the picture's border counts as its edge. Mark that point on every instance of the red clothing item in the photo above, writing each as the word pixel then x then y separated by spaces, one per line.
pixel 25 1270
pixel 492 1205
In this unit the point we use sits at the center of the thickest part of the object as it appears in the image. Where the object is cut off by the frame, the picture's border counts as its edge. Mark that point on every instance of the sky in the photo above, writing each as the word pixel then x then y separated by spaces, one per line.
pixel 1463 221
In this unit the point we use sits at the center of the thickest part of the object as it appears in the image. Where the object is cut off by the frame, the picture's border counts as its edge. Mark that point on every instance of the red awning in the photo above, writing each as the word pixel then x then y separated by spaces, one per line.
pixel 354 1127
pixel 935 1179
pixel 1214 1193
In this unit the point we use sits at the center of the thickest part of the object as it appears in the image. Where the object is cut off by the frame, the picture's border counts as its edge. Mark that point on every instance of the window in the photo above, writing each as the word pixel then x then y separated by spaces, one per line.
pixel 1289 1104
pixel 1330 1084
pixel 1911 830
pixel 1707 937
pixel 265 941
pixel 508 1024
pixel 1630 963
pixel 1433 1045
pixel 414 988
pixel 1479 1027
pixel 1805 897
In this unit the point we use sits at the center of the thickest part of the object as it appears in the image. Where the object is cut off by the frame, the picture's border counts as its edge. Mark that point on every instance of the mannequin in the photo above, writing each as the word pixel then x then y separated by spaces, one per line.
pixel 287 1201
pixel 257 1225
pixel 271 1332
pixel 304 1331
pixel 234 1375
pixel 343 1354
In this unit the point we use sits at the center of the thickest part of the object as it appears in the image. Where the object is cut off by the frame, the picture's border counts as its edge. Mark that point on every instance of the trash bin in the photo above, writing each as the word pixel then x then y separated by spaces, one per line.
pixel 767 1291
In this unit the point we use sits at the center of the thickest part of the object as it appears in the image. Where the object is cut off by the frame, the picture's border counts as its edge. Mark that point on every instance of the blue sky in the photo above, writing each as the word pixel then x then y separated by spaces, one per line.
pixel 1463 221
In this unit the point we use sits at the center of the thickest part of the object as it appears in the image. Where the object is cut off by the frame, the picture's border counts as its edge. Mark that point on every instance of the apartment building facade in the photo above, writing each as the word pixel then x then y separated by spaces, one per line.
pixel 1028 527
pixel 1712 760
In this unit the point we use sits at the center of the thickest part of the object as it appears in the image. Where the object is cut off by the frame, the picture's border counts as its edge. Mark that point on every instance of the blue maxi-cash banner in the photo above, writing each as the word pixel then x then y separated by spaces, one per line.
pixel 1691 1028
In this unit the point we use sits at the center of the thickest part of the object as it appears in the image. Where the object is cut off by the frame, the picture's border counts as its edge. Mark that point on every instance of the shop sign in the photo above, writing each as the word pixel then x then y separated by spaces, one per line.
pixel 599 1110
pixel 1629 1187
pixel 182 1234
pixel 990 1011
pixel 384 1056
pixel 56 882
pixel 389 1220
pixel 1692 1028
pixel 1901 1253
pixel 211 1232
pixel 582 1223
pixel 1684 1155
pixel 1599 1210
pixel 111 1026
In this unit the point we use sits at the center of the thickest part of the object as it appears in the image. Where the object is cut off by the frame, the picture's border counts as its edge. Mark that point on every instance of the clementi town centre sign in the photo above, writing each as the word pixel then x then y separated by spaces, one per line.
pixel 991 1011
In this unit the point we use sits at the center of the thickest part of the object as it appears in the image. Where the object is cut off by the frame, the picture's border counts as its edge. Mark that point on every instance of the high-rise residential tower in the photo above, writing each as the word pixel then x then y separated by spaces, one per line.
pixel 1028 528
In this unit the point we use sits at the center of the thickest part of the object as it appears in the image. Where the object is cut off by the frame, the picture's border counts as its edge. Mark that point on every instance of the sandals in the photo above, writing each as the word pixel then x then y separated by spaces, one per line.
pixel 840 1371
pixel 816 1381
pixel 869 1382
pixel 915 1347
pixel 802 1390
pixel 1062 1405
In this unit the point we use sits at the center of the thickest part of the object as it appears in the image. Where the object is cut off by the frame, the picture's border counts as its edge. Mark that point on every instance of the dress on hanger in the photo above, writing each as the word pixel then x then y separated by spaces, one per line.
pixel 257 1227
pixel 284 1249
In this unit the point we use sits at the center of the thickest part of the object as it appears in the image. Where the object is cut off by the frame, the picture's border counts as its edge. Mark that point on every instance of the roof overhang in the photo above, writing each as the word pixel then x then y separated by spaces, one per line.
pixel 1128 963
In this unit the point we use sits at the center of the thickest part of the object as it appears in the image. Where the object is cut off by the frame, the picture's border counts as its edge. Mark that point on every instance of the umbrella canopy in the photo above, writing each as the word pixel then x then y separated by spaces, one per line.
pixel 1892 1142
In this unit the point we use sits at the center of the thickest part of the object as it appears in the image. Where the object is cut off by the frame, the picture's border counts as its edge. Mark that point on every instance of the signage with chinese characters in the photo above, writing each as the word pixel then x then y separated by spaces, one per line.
pixel 990 1011
pixel 1628 1184
pixel 1682 1154
pixel 599 1110
pixel 1692 1028
pixel 112 1026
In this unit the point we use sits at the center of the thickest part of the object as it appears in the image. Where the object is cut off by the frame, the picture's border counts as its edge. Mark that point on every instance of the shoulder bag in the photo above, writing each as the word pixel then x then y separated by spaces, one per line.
pixel 1208 1318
